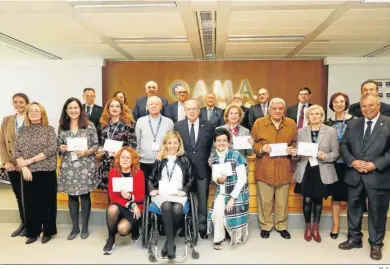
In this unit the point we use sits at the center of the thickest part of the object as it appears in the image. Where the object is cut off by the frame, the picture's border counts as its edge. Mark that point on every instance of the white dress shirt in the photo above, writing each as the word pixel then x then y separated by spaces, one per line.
pixel 374 120
pixel 180 111
pixel 196 128
pixel 304 111
pixel 86 108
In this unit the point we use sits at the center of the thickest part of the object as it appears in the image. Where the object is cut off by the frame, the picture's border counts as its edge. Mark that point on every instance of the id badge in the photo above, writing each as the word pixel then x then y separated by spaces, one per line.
pixel 73 155
pixel 313 161
pixel 155 146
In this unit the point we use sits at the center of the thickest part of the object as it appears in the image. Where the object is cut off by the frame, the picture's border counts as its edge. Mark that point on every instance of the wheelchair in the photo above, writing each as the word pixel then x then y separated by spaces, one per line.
pixel 150 231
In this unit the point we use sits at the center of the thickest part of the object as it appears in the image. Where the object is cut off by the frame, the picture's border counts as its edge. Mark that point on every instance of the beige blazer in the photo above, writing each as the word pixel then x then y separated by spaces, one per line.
pixel 7 140
pixel 327 143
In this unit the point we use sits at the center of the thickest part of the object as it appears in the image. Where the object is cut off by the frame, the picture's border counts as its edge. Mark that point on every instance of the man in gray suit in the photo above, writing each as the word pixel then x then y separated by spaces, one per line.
pixel 260 110
pixel 210 112
pixel 365 148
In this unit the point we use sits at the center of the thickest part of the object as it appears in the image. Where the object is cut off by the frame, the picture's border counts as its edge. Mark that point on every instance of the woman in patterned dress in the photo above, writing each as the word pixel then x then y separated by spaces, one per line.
pixel 117 124
pixel 77 175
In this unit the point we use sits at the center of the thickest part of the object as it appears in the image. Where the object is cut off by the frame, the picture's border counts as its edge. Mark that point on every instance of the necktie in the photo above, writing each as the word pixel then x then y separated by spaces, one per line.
pixel 367 134
pixel 192 136
pixel 264 108
pixel 209 113
pixel 301 117
pixel 88 110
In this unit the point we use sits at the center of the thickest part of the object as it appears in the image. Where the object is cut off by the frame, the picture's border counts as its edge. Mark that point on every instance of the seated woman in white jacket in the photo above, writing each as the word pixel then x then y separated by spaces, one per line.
pixel 229 211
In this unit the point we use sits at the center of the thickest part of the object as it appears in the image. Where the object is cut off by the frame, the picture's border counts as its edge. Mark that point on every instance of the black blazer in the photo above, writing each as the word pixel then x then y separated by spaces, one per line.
pixel 201 153
pixel 292 112
pixel 255 112
pixel 95 114
pixel 171 111
pixel 216 118
pixel 377 151
pixel 140 107
pixel 355 110
pixel 186 167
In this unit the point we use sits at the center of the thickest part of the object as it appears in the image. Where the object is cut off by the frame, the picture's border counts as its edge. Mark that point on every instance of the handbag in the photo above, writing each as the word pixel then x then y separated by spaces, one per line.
pixel 4 176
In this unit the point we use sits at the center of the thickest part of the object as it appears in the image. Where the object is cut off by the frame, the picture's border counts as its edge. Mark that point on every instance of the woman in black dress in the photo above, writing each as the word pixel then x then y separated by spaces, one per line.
pixel 315 173
pixel 339 104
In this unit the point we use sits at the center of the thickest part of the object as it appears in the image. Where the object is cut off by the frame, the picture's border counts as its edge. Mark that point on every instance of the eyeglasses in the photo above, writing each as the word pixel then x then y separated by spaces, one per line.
pixel 261 94
pixel 191 108
pixel 125 158
pixel 151 87
pixel 183 92
pixel 304 94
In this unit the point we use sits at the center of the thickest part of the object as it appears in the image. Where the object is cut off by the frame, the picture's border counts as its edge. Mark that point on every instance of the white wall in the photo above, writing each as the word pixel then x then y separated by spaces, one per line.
pixel 347 74
pixel 49 82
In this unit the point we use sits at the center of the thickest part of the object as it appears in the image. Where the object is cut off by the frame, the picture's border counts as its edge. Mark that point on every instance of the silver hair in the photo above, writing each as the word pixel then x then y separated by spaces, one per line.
pixel 153 98
pixel 191 100
pixel 377 99
pixel 277 100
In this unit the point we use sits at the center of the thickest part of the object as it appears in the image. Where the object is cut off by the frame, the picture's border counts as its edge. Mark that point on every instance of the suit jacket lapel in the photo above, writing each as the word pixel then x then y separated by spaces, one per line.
pixel 321 134
pixel 307 135
pixel 175 114
pixel 200 133
pixel 186 133
pixel 375 132
pixel 12 124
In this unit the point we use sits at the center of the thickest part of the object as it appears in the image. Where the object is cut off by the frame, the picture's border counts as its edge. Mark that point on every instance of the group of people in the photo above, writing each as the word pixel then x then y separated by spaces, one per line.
pixel 170 150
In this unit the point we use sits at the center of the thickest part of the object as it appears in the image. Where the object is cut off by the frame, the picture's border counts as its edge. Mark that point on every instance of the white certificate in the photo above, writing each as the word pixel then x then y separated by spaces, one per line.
pixel 168 189
pixel 307 149
pixel 222 169
pixel 122 184
pixel 77 143
pixel 241 142
pixel 112 145
pixel 278 149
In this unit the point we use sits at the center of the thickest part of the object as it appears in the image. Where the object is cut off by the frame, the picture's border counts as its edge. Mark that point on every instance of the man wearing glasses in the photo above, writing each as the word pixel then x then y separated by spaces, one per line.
pixel 260 110
pixel 176 110
pixel 141 108
pixel 297 112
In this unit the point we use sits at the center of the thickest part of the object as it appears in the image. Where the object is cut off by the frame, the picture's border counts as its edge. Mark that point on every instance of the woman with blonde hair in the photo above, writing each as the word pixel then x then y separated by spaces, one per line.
pixel 169 185
pixel 36 156
pixel 314 174
pixel 118 125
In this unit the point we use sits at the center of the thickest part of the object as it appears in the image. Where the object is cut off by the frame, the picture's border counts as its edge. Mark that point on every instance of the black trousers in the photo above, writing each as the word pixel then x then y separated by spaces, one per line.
pixel 16 183
pixel 378 205
pixel 147 169
pixel 202 191
pixel 40 203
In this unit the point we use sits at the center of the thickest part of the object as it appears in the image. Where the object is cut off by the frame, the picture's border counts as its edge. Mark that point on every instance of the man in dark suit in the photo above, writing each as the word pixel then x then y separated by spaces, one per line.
pixel 176 111
pixel 237 99
pixel 365 148
pixel 211 113
pixel 260 110
pixel 368 86
pixel 297 112
pixel 197 135
pixel 94 112
pixel 140 109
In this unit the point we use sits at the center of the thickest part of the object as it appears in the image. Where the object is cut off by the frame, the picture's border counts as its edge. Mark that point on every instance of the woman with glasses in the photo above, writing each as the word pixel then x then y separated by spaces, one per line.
pixel 36 157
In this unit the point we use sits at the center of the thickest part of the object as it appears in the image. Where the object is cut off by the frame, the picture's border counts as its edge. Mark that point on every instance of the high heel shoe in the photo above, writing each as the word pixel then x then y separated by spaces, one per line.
pixel 316 233
pixel 334 235
pixel 307 234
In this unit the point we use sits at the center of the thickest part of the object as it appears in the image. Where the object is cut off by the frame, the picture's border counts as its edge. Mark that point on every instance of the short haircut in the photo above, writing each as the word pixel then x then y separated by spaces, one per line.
pixel 22 95
pixel 368 95
pixel 221 131
pixel 88 89
pixel 304 89
pixel 334 96
pixel 369 81
pixel 277 100
pixel 229 107
pixel 153 98
pixel 191 100
pixel 312 107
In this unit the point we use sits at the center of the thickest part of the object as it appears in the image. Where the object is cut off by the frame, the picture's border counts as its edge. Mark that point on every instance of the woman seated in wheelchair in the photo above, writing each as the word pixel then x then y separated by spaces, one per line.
pixel 126 202
pixel 229 210
pixel 169 185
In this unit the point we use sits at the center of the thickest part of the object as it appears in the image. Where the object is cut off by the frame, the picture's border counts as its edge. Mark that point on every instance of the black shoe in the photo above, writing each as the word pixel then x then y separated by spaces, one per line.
pixel 375 253
pixel 84 234
pixel 109 246
pixel 18 231
pixel 285 234
pixel 203 234
pixel 135 237
pixel 172 256
pixel 264 233
pixel 350 244
pixel 45 239
pixel 31 240
pixel 334 235
pixel 164 251
pixel 182 233
pixel 73 234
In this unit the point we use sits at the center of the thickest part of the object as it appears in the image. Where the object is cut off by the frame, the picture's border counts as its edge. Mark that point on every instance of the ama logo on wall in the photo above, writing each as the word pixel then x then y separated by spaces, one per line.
pixel 224 91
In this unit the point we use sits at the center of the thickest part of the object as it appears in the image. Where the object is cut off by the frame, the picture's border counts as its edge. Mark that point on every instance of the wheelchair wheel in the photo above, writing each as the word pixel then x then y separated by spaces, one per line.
pixel 152 258
pixel 195 254
pixel 145 224
pixel 193 229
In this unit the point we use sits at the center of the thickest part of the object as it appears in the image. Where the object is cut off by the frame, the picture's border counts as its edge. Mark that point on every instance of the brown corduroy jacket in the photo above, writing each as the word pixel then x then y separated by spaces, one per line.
pixel 274 171
pixel 7 140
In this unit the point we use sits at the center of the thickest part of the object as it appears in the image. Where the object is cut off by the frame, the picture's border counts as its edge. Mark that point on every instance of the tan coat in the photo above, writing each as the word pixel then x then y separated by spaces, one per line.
pixel 7 140
pixel 274 171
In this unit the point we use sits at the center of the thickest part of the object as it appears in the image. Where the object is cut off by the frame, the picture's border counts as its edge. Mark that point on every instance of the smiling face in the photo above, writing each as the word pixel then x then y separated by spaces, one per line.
pixel 210 99
pixel 315 116
pixel 73 110
pixel 125 160
pixel 369 87
pixel 181 94
pixel 115 109
pixel 173 145
pixel 370 108
pixel 19 104
pixel 263 96
pixel 339 104
pixel 221 142
pixel 276 111
pixel 151 88
pixel 233 116
pixel 34 114
pixel 89 97
pixel 154 106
